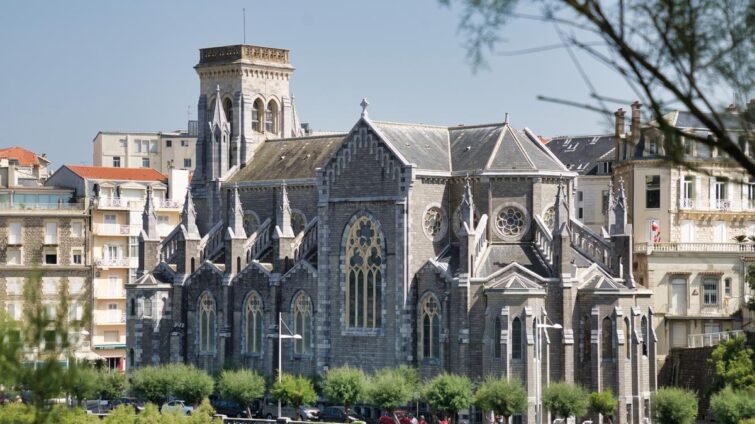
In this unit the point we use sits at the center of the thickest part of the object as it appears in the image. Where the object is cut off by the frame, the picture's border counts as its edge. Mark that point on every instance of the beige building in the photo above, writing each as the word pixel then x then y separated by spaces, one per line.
pixel 161 151
pixel 45 229
pixel 690 230
pixel 117 198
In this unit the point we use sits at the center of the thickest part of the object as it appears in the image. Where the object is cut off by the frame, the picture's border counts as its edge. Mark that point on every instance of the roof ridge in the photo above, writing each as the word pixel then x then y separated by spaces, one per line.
pixel 307 137
pixel 462 126
pixel 410 124
pixel 582 136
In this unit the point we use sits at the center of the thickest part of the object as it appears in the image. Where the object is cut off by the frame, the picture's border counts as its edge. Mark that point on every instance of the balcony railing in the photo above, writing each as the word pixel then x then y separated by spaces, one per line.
pixel 116 229
pixel 109 317
pixel 109 292
pixel 117 262
pixel 61 206
pixel 687 203
pixel 167 204
pixel 723 205
pixel 693 247
pixel 711 339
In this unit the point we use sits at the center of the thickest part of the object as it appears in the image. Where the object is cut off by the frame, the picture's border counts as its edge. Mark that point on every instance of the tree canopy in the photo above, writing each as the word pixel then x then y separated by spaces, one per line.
pixel 243 386
pixel 345 385
pixel 604 403
pixel 389 389
pixel 673 405
pixel 295 391
pixel 502 396
pixel 448 392
pixel 565 400
pixel 733 361
pixel 731 407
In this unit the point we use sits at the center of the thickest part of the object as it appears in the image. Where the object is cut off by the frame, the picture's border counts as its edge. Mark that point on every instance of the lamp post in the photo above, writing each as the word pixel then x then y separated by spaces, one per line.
pixel 280 337
pixel 538 370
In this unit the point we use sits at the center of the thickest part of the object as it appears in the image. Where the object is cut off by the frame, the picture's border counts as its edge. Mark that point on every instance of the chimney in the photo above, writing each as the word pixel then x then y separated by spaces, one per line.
pixel 635 126
pixel 619 132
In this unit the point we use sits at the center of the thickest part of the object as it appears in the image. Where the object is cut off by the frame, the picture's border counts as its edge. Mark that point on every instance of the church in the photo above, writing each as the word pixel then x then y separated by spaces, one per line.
pixel 449 249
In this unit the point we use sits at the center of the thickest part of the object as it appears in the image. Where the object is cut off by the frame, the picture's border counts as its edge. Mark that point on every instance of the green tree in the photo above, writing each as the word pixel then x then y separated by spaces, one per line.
pixel 345 385
pixel 192 384
pixel 294 391
pixel 565 400
pixel 243 386
pixel 604 403
pixel 669 53
pixel 502 396
pixel 673 405
pixel 733 361
pixel 111 384
pixel 449 393
pixel 730 407
pixel 82 382
pixel 389 388
pixel 154 384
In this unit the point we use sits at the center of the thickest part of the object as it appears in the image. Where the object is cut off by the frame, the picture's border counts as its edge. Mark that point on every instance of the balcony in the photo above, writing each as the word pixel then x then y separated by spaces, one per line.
pixel 686 203
pixel 167 204
pixel 131 262
pixel 61 206
pixel 118 203
pixel 109 317
pixel 649 248
pixel 109 292
pixel 116 230
pixel 723 205
pixel 712 339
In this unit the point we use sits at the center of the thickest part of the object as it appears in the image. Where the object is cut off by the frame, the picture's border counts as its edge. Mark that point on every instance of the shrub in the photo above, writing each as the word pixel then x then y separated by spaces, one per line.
pixel 502 396
pixel 192 384
pixel 345 385
pixel 448 392
pixel 154 384
pixel 294 391
pixel 604 403
pixel 243 386
pixel 565 400
pixel 733 361
pixel 389 388
pixel 730 407
pixel 674 406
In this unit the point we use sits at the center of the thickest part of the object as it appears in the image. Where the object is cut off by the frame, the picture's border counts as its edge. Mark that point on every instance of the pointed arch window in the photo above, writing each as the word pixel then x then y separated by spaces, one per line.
pixel 586 339
pixel 628 338
pixel 644 335
pixel 271 117
pixel 207 323
pixel 497 338
pixel 430 330
pixel 228 109
pixel 302 323
pixel 607 338
pixel 257 113
pixel 253 323
pixel 516 338
pixel 364 278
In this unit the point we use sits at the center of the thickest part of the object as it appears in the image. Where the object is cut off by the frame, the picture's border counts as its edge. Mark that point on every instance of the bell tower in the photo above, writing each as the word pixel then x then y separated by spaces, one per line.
pixel 249 86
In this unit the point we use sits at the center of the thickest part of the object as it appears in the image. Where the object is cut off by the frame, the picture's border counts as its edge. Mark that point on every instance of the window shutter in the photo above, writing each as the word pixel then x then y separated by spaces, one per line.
pixel 712 192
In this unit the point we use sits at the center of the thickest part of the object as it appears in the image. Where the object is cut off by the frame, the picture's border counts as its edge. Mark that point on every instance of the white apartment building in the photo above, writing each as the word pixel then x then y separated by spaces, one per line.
pixel 690 230
pixel 161 151
pixel 117 197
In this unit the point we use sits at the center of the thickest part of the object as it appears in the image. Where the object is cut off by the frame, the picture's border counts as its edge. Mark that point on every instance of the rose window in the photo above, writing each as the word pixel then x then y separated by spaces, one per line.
pixel 510 221
pixel 549 217
pixel 434 223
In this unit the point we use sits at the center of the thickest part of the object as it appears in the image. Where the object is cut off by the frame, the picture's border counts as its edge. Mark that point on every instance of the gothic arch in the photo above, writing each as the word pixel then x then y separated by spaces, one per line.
pixel 517 338
pixel 302 311
pixel 253 328
pixel 206 322
pixel 258 113
pixel 272 116
pixel 607 338
pixel 430 319
pixel 364 264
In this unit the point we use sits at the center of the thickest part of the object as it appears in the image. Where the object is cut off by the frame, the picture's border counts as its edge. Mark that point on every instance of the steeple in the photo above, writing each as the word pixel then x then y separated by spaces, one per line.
pixel 560 208
pixel 149 217
pixel 236 214
pixel 610 218
pixel 283 213
pixel 189 215
pixel 619 211
pixel 218 115
pixel 466 209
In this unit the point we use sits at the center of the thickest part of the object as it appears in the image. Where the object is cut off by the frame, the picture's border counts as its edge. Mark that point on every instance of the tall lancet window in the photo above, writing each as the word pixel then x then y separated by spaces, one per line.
pixel 228 109
pixel 363 260
pixel 257 113
pixel 430 330
pixel 607 338
pixel 497 337
pixel 207 323
pixel 516 338
pixel 253 324
pixel 271 117
pixel 303 323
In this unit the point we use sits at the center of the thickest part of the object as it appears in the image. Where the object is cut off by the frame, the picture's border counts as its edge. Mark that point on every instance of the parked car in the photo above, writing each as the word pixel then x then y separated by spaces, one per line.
pixel 370 413
pixel 337 414
pixel 229 408
pixel 135 403
pixel 177 406
pixel 267 408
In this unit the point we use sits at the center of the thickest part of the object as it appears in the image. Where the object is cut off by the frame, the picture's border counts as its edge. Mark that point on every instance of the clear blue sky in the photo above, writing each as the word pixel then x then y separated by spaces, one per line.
pixel 70 69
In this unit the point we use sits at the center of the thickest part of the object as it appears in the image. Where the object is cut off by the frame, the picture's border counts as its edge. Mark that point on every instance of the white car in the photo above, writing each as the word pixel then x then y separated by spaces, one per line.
pixel 177 407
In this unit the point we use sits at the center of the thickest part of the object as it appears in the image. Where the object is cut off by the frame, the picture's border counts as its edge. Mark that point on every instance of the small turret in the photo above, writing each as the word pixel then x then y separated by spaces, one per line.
pixel 149 216
pixel 466 209
pixel 283 213
pixel 236 214
pixel 189 215
pixel 619 212
pixel 561 209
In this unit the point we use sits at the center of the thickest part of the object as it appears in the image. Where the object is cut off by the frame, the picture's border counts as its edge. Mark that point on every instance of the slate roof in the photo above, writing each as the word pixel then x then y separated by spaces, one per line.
pixel 501 255
pixel 424 145
pixel 582 153
pixel 684 119
pixel 292 158
pixel 117 174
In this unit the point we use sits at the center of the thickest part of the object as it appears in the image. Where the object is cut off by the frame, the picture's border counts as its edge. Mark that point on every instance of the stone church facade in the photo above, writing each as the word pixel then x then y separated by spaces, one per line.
pixel 444 248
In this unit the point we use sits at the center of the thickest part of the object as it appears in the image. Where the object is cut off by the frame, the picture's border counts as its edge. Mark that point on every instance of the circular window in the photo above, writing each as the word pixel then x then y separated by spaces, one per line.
pixel 511 222
pixel 251 222
pixel 457 219
pixel 298 221
pixel 549 217
pixel 434 223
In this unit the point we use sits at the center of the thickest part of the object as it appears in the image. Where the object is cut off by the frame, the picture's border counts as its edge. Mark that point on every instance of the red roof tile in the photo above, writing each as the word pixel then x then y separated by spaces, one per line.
pixel 25 157
pixel 119 174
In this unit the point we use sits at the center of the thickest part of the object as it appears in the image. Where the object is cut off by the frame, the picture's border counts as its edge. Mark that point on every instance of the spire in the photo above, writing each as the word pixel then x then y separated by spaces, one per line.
pixel 610 204
pixel 560 208
pixel 218 115
pixel 189 215
pixel 236 214
pixel 149 216
pixel 283 213
pixel 619 210
pixel 466 209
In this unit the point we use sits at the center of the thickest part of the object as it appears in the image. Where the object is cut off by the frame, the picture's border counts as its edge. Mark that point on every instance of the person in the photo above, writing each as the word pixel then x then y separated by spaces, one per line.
pixel 444 420
pixel 413 419
pixel 422 419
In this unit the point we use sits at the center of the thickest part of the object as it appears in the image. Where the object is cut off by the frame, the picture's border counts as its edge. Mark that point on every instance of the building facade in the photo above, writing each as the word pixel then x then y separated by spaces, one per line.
pixel 44 229
pixel 448 249
pixel 116 197
pixel 162 151
pixel 691 230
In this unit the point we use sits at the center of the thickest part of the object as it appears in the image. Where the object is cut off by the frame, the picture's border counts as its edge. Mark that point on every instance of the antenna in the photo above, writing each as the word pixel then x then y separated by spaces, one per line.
pixel 243 12
pixel 188 113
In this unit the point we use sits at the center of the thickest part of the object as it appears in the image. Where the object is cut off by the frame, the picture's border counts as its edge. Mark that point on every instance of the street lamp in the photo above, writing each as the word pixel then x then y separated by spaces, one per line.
pixel 280 337
pixel 538 369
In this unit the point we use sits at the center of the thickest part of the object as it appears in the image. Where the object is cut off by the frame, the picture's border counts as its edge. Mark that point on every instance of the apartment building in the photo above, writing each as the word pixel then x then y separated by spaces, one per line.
pixel 43 228
pixel 117 197
pixel 161 151
pixel 690 229
pixel 591 156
